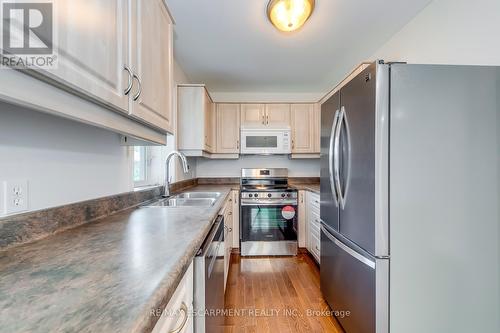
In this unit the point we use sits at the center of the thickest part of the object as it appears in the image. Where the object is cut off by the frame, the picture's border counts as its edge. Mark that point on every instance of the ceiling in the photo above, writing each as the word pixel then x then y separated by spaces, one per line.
pixel 231 47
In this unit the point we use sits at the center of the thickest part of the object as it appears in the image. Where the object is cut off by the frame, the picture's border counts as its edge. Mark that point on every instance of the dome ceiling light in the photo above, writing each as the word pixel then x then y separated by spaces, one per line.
pixel 289 15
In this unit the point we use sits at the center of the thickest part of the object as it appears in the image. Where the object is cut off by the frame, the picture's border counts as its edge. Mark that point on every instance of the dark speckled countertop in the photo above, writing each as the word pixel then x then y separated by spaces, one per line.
pixel 104 276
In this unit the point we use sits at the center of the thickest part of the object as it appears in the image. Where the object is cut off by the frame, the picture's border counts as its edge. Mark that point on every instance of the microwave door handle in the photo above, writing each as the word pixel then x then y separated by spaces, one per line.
pixel 331 157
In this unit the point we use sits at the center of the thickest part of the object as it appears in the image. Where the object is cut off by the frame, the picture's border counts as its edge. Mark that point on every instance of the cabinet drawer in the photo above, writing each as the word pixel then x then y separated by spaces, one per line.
pixel 314 217
pixel 314 198
pixel 177 312
pixel 315 229
pixel 314 209
pixel 315 247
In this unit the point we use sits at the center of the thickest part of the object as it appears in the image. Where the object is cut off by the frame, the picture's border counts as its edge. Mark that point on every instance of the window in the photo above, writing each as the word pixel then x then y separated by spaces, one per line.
pixel 149 164
pixel 142 166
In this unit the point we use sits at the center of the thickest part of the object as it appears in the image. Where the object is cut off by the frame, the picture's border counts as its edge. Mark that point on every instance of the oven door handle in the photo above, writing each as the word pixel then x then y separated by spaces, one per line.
pixel 268 202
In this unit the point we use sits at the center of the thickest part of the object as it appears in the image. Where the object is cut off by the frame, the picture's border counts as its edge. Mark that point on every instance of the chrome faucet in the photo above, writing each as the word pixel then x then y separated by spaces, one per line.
pixel 166 193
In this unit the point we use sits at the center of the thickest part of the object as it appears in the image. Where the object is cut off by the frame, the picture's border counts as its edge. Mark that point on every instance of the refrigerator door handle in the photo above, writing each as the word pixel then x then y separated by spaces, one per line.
pixel 347 178
pixel 351 252
pixel 331 157
pixel 336 158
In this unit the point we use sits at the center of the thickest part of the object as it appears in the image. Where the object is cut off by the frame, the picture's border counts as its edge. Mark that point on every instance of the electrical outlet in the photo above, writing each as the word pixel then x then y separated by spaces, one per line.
pixel 15 195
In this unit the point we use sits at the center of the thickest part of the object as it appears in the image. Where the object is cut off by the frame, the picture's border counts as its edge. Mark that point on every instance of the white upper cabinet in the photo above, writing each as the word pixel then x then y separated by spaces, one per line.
pixel 152 63
pixel 196 120
pixel 253 115
pixel 303 121
pixel 228 128
pixel 92 44
pixel 277 115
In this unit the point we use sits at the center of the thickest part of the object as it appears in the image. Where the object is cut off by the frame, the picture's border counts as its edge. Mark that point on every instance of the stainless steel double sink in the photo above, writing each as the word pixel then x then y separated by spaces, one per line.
pixel 187 199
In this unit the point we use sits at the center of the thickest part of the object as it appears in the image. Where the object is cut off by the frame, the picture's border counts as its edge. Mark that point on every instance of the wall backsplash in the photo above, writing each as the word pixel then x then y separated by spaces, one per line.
pixel 63 161
pixel 232 168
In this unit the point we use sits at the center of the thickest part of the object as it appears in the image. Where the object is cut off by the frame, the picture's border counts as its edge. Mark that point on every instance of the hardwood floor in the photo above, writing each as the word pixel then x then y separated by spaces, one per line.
pixel 276 294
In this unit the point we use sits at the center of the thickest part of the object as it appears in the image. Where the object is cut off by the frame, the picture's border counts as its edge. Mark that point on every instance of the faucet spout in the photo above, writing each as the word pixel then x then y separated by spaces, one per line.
pixel 185 168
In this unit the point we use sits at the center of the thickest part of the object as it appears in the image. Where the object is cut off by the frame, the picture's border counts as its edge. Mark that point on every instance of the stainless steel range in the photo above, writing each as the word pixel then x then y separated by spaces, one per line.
pixel 268 213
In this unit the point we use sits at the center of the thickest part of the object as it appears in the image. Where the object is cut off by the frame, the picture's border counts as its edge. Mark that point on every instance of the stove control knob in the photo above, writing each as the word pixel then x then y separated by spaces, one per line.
pixel 288 195
pixel 282 195
pixel 250 195
pixel 269 195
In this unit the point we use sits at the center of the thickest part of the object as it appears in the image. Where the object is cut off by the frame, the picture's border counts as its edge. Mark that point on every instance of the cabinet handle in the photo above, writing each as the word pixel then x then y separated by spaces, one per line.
pixel 184 309
pixel 237 144
pixel 267 120
pixel 130 80
pixel 293 144
pixel 230 213
pixel 263 119
pixel 139 92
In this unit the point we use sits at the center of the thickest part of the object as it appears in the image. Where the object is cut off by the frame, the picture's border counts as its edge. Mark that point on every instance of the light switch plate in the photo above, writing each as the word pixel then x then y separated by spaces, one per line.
pixel 15 196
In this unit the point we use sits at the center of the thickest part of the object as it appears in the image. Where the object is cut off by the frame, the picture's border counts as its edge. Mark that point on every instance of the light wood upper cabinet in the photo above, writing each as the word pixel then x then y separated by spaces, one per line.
pixel 253 115
pixel 317 129
pixel 210 141
pixel 303 123
pixel 277 115
pixel 93 44
pixel 152 61
pixel 196 120
pixel 228 128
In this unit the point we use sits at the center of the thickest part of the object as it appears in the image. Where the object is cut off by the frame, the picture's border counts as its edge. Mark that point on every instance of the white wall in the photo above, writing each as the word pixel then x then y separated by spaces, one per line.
pixel 449 32
pixel 232 168
pixel 64 161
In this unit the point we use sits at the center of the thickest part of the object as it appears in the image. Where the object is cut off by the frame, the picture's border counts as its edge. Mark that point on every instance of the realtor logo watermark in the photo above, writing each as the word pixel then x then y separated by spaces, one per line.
pixel 28 32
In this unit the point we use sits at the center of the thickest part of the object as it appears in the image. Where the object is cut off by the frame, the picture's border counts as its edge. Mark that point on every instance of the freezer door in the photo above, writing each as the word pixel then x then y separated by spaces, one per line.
pixel 329 205
pixel 356 159
pixel 355 286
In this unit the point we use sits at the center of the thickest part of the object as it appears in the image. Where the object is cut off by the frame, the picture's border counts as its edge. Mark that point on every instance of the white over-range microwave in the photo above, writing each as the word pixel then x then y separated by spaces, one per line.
pixel 266 141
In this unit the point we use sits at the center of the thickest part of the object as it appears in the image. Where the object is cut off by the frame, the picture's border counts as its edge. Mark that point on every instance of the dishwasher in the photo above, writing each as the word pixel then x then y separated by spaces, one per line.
pixel 209 281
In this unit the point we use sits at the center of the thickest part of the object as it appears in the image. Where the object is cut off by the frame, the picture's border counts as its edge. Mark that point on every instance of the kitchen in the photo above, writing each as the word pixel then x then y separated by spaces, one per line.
pixel 187 166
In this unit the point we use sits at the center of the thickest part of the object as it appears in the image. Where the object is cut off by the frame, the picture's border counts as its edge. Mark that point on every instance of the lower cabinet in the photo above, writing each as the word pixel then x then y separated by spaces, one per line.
pixel 228 236
pixel 302 232
pixel 177 314
pixel 236 219
pixel 313 225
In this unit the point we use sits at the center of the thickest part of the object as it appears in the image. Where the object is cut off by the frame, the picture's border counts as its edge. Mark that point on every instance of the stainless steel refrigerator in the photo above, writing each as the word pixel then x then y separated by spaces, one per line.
pixel 410 182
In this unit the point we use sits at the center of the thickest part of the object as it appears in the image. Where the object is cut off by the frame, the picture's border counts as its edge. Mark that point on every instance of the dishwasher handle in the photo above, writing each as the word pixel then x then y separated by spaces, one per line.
pixel 205 247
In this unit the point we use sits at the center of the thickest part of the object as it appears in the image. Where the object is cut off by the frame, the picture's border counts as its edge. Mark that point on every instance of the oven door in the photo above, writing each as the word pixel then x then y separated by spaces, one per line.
pixel 268 227
pixel 265 141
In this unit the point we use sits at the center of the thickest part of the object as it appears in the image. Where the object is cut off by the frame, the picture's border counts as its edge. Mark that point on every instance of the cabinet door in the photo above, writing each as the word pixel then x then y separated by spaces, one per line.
pixel 303 122
pixel 228 128
pixel 228 223
pixel 92 43
pixel 236 219
pixel 302 219
pixel 317 128
pixel 253 115
pixel 179 308
pixel 278 114
pixel 209 123
pixel 151 52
